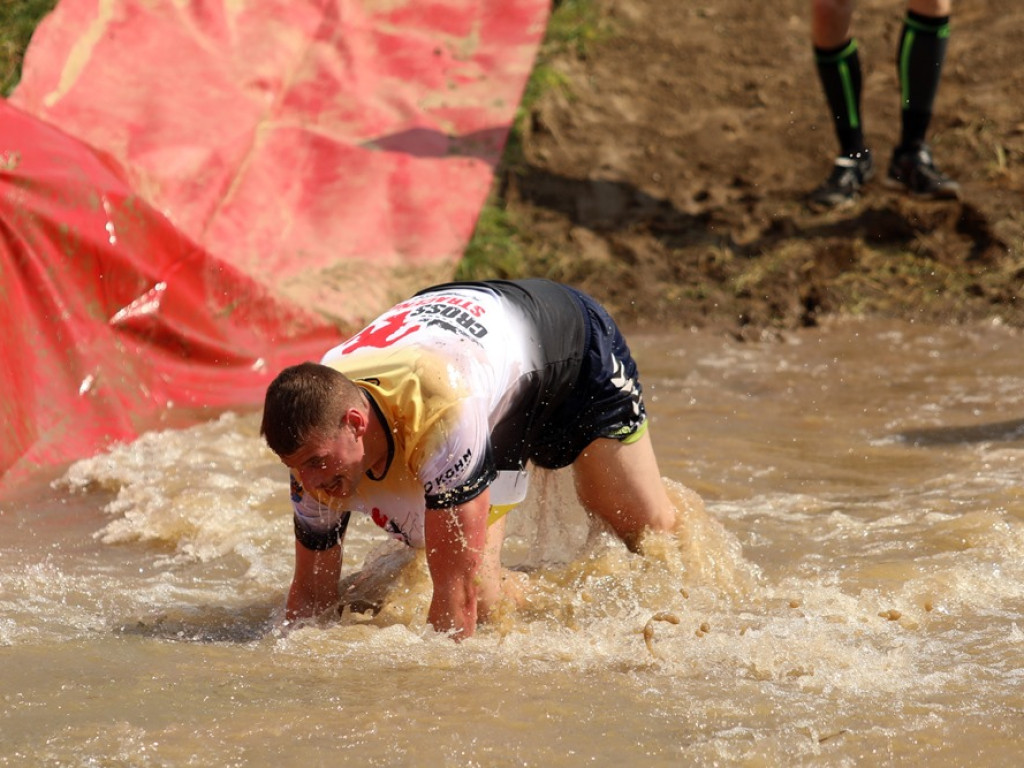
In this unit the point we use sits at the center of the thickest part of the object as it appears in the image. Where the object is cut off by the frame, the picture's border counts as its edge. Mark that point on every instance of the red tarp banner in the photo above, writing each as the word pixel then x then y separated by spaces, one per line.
pixel 337 150
pixel 109 316
pixel 194 194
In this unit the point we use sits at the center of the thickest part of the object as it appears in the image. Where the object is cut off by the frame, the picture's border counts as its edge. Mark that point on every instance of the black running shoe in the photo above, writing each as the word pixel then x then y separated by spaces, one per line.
pixel 843 185
pixel 913 170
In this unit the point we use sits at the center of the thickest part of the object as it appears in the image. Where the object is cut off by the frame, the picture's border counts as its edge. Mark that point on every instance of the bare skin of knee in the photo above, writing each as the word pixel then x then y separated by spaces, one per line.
pixel 832 20
pixel 931 7
pixel 622 485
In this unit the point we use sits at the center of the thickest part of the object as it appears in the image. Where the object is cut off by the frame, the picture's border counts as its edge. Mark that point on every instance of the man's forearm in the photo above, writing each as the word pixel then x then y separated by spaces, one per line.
pixel 302 604
pixel 314 587
pixel 453 609
pixel 456 540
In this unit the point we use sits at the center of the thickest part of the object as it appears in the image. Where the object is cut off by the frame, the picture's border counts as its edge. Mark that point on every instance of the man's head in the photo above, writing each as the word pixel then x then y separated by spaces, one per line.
pixel 314 419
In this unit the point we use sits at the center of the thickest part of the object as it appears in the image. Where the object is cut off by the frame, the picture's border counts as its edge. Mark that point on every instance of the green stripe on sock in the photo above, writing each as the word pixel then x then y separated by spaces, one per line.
pixel 838 59
pixel 834 58
pixel 848 94
pixel 908 45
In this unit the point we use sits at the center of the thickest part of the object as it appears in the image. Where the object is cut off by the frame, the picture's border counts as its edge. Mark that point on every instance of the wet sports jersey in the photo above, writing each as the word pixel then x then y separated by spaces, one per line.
pixel 471 382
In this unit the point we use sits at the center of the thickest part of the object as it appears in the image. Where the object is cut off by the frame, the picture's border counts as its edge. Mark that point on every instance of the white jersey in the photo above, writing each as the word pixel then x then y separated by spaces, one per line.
pixel 464 378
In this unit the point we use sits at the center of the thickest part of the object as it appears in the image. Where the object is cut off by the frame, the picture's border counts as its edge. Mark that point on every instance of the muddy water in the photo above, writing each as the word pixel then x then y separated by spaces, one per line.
pixel 854 598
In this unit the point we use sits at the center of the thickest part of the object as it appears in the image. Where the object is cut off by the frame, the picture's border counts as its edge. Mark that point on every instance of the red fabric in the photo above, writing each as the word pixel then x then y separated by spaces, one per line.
pixel 315 144
pixel 245 178
pixel 109 315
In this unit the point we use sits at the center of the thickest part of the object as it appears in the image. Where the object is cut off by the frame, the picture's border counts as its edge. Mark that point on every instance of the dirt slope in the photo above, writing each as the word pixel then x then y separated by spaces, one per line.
pixel 669 177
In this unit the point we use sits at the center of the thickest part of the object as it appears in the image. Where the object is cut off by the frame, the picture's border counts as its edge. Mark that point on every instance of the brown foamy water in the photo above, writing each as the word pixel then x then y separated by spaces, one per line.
pixel 854 596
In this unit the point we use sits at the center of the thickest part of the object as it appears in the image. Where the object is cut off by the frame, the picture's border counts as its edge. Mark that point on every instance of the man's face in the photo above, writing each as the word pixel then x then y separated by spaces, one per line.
pixel 330 462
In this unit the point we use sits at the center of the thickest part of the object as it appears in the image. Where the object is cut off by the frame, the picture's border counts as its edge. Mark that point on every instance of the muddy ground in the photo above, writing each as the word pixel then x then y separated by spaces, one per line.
pixel 669 175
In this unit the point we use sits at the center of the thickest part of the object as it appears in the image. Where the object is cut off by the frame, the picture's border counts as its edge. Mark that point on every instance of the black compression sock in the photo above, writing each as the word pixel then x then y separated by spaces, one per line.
pixel 839 71
pixel 919 58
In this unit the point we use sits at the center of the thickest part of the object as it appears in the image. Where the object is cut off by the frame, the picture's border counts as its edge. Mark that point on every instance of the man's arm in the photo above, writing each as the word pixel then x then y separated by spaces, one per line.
pixel 315 583
pixel 455 540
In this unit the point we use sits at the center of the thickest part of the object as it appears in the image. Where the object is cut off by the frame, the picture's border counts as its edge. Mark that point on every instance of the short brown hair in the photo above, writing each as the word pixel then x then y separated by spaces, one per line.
pixel 303 400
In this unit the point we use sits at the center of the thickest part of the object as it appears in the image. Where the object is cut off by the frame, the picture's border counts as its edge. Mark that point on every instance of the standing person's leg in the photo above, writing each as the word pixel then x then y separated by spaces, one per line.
pixel 919 60
pixel 837 60
pixel 620 483
pixel 831 22
pixel 931 8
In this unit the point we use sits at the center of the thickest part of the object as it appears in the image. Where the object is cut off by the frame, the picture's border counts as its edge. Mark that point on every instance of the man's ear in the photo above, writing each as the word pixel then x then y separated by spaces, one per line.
pixel 357 420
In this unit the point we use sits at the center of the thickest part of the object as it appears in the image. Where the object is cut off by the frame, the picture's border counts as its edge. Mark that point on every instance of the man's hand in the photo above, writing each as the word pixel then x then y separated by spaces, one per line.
pixel 315 583
pixel 455 541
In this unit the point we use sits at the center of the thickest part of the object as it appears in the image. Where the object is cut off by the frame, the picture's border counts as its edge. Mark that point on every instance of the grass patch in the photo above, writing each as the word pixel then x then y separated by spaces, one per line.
pixel 18 20
pixel 575 26
pixel 494 252
pixel 496 249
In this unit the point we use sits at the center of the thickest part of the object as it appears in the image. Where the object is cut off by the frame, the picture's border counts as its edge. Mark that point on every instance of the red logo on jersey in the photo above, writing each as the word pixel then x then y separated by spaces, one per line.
pixel 389 525
pixel 379 518
pixel 379 336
